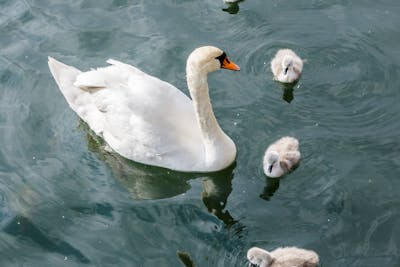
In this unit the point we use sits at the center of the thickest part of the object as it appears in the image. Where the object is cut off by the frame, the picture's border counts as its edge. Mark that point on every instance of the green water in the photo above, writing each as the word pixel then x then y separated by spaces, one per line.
pixel 64 201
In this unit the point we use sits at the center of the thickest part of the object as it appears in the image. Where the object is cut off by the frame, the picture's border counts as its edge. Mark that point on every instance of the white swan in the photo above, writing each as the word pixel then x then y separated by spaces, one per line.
pixel 281 156
pixel 286 66
pixel 282 257
pixel 148 120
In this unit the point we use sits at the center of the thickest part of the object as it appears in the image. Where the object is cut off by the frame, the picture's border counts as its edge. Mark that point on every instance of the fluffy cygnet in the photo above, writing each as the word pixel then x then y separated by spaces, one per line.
pixel 281 156
pixel 286 66
pixel 282 257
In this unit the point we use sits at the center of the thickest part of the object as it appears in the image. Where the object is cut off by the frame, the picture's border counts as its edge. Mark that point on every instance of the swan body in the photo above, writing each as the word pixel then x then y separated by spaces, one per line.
pixel 148 120
pixel 281 156
pixel 282 257
pixel 286 66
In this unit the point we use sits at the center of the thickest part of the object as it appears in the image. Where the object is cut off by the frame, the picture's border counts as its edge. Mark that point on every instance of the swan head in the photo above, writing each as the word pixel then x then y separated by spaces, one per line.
pixel 259 257
pixel 272 166
pixel 207 59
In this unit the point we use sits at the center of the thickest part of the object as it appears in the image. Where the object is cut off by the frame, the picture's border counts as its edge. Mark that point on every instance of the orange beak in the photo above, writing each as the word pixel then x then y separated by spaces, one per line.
pixel 229 65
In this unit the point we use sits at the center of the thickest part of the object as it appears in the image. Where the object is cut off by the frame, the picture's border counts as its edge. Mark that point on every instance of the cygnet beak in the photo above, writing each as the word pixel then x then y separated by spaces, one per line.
pixel 286 70
pixel 252 265
pixel 270 168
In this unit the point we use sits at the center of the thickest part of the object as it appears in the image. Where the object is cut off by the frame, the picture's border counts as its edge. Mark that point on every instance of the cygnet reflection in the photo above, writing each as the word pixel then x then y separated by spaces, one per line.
pixel 270 188
pixel 288 91
pixel 232 6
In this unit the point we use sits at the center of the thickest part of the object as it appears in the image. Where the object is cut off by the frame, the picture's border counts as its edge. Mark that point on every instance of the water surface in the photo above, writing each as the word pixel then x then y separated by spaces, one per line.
pixel 64 201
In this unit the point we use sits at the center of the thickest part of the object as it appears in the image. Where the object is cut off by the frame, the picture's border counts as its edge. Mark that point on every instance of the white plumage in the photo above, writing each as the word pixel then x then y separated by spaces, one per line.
pixel 286 66
pixel 281 156
pixel 282 257
pixel 148 120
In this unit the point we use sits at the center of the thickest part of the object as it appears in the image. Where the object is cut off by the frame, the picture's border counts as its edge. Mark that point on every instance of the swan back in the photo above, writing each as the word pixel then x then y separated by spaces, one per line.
pixel 286 66
pixel 140 117
pixel 281 156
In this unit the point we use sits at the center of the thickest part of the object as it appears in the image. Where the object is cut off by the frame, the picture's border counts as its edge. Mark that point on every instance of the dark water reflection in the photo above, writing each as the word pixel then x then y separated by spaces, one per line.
pixel 22 228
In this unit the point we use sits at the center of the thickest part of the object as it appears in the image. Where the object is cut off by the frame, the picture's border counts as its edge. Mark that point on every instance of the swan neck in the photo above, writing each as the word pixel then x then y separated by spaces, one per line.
pixel 219 149
pixel 198 88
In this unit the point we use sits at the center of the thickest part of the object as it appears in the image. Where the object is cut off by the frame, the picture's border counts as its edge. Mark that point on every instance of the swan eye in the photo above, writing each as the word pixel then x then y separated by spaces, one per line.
pixel 221 58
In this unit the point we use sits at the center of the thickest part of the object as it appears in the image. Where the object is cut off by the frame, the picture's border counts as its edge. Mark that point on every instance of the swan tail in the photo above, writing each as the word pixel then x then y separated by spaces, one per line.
pixel 65 76
pixel 79 100
pixel 61 72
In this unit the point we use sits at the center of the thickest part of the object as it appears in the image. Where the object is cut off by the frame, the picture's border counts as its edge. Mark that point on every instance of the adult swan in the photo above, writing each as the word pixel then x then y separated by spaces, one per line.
pixel 148 120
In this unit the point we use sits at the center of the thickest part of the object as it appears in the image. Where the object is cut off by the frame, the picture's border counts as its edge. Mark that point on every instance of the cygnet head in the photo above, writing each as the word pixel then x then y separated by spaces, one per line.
pixel 287 65
pixel 259 257
pixel 272 166
pixel 206 59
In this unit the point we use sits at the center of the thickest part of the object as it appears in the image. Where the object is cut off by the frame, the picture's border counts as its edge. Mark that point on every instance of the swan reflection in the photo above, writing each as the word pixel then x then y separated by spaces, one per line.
pixel 216 190
pixel 149 182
